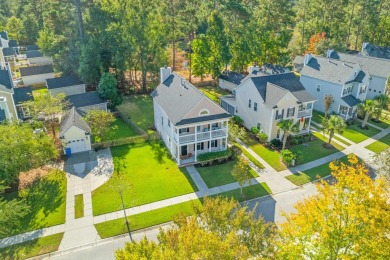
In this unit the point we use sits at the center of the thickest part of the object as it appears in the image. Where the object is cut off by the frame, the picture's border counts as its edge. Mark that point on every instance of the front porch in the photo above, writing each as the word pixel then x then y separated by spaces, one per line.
pixel 347 112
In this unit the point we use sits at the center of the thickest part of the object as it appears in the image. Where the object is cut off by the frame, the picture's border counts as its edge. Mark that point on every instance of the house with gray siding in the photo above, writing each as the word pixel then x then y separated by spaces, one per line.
pixel 36 74
pixel 188 122
pixel 37 57
pixel 70 85
pixel 229 80
pixel 87 101
pixel 346 82
pixel 263 100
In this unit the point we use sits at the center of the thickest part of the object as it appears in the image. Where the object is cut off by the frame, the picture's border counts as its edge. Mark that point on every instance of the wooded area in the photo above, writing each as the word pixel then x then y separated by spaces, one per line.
pixel 134 38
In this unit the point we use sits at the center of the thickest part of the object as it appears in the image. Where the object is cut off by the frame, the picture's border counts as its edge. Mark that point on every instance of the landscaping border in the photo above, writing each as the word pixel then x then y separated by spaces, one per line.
pixel 128 140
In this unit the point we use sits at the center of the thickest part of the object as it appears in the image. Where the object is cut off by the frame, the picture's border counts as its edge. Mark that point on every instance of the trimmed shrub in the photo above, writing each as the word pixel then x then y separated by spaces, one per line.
pixel 276 143
pixel 214 155
pixel 238 120
pixel 254 130
pixel 287 156
pixel 262 137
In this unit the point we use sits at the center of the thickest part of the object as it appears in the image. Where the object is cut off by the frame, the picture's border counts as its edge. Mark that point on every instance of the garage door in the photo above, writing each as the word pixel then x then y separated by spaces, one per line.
pixel 76 146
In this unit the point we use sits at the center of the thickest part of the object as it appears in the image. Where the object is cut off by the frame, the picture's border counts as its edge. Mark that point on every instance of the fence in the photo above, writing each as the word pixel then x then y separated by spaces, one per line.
pixel 128 140
pixel 205 83
pixel 131 123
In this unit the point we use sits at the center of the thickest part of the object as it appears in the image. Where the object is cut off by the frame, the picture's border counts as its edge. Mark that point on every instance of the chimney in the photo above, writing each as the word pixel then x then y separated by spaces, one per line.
pixel 307 59
pixel 165 72
pixel 253 69
pixel 364 45
pixel 329 53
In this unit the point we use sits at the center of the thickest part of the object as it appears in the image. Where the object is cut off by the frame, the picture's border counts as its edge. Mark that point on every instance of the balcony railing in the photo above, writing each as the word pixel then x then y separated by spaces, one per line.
pixel 189 138
pixel 203 136
pixel 186 138
pixel 218 133
pixel 305 113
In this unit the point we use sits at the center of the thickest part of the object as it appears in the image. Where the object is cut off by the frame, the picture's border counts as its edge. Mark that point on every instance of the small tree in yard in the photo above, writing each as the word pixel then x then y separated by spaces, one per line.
pixel 288 127
pixel 241 172
pixel 382 101
pixel 99 121
pixel 369 107
pixel 235 131
pixel 108 88
pixel 262 137
pixel 332 125
pixel 49 108
pixel 328 103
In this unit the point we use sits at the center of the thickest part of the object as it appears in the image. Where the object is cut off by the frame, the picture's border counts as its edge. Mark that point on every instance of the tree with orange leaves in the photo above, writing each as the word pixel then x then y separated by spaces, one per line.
pixel 348 218
pixel 318 44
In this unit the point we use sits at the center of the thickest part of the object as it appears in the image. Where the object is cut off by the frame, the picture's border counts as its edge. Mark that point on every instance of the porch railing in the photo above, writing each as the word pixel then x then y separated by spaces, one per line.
pixel 305 113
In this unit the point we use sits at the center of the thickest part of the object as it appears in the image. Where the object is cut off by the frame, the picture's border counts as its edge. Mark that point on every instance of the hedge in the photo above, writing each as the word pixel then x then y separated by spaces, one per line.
pixel 214 155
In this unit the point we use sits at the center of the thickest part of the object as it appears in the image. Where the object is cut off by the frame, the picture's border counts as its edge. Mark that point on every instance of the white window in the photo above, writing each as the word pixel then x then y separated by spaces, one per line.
pixel 214 143
pixel 199 146
pixel 255 106
pixel 169 123
pixel 309 105
pixel 250 103
pixel 318 88
pixel 162 121
pixel 290 112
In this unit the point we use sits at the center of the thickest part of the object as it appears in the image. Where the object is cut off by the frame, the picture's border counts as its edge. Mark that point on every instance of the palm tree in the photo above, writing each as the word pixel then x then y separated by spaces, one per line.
pixel 368 107
pixel 288 127
pixel 333 124
pixel 383 102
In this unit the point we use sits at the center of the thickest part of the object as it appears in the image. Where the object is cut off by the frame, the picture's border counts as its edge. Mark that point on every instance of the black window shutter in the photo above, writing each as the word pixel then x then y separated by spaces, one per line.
pixel 276 117
pixel 282 113
pixel 293 111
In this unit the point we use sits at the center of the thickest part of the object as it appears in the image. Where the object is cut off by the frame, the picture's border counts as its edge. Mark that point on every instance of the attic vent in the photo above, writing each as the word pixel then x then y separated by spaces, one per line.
pixel 183 84
pixel 204 112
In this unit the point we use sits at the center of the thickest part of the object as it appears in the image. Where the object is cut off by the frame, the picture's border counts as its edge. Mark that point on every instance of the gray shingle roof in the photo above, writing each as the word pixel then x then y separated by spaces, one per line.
pixel 23 94
pixel 32 48
pixel 351 100
pixel 359 77
pixel 4 35
pixel 374 66
pixel 5 81
pixel 36 70
pixel 273 69
pixel 329 70
pixel 287 81
pixel 85 99
pixel 376 51
pixel 13 43
pixel 61 82
pixel 33 54
pixel 179 98
pixel 232 76
pixel 73 119
pixel 9 52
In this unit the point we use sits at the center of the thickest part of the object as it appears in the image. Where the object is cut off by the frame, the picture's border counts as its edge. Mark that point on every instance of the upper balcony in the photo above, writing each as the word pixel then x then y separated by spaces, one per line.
pixel 305 113
pixel 201 133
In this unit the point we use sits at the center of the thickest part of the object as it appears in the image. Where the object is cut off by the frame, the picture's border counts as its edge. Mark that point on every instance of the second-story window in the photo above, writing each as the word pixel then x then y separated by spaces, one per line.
pixel 255 106
pixel 290 112
pixel 250 103
pixel 279 114
pixel 318 88
pixel 169 123
pixel 162 121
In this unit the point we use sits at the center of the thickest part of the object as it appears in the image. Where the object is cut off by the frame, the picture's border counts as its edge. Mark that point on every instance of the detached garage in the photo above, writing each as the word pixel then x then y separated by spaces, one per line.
pixel 75 133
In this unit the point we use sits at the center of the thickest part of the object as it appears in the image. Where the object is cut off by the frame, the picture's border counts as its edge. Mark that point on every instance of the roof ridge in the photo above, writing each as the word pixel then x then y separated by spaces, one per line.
pixel 191 85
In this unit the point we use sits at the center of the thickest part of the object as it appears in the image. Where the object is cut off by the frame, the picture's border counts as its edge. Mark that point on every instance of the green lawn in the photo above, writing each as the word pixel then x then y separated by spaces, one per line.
pixel 32 248
pixel 269 155
pixel 380 145
pixel 163 215
pixel 249 156
pixel 153 175
pixel 341 140
pixel 213 93
pixel 314 150
pixel 313 173
pixel 357 135
pixel 47 201
pixel 139 108
pixel 384 121
pixel 118 130
pixel 218 175
pixel 79 206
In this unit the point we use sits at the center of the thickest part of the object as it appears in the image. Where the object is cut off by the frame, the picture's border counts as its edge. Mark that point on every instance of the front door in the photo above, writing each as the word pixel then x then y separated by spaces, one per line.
pixel 184 150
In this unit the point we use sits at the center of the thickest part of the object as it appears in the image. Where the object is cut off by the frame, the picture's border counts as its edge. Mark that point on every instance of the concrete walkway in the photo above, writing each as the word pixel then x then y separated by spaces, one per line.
pixel 202 187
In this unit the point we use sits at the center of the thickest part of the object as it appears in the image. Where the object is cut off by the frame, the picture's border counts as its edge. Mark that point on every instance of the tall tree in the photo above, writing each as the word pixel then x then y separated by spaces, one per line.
pixel 288 127
pixel 328 101
pixel 241 173
pixel 99 121
pixel 382 102
pixel 333 124
pixel 108 88
pixel 368 107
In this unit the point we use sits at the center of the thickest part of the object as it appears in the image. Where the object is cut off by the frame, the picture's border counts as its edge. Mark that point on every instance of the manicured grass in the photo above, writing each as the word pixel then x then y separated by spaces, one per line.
pixel 384 121
pixel 357 135
pixel 39 91
pixel 380 145
pixel 213 93
pixel 151 173
pixel 118 130
pixel 314 150
pixel 313 173
pixel 272 157
pixel 47 201
pixel 139 108
pixel 79 206
pixel 341 140
pixel 163 215
pixel 249 156
pixel 317 116
pixel 32 248
pixel 218 175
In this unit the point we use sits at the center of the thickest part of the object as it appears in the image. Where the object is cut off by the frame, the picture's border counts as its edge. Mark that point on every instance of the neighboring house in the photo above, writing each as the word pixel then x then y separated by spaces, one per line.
pixel 298 63
pixel 263 100
pixel 188 122
pixel 75 133
pixel 36 57
pixel 11 98
pixel 32 48
pixel 36 74
pixel 229 80
pixel 346 82
pixel 265 70
pixel 7 54
pixel 87 101
pixel 375 51
pixel 70 85
pixel 378 69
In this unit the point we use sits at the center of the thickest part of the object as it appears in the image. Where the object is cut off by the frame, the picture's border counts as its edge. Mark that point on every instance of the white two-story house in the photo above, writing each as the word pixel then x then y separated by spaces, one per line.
pixel 188 122
pixel 263 100
pixel 346 82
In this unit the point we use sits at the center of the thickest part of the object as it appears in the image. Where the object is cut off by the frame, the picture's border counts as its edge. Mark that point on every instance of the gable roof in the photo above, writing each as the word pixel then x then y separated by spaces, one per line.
pixel 73 118
pixel 6 84
pixel 178 98
pixel 23 94
pixel 274 69
pixel 13 43
pixel 4 35
pixel 9 51
pixel 33 54
pixel 85 99
pixel 376 51
pixel 32 48
pixel 274 94
pixel 351 100
pixel 287 81
pixel 232 76
pixel 36 70
pixel 329 70
pixel 61 82
pixel 374 66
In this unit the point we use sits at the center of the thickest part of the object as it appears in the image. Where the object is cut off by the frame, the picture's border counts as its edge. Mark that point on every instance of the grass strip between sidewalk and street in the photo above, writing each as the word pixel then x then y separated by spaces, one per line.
pixel 78 206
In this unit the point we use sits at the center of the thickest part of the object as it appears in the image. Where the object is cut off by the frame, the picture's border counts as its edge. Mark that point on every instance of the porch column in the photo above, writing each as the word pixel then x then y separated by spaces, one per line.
pixel 178 154
pixel 196 143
